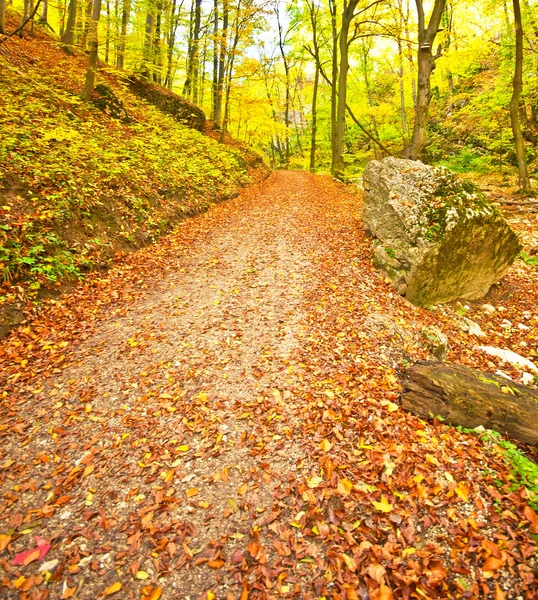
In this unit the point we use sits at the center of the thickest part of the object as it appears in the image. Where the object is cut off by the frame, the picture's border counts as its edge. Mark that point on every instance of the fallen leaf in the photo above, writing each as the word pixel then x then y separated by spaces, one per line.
pixel 344 487
pixel 25 558
pixel 383 506
pixel 112 589
pixel 4 541
pixel 314 482
pixel 325 445
pixel 192 492
pixel 142 575
pixel 463 491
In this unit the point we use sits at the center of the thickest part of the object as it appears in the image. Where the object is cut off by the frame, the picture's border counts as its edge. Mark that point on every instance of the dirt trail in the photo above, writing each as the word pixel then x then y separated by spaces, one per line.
pixel 228 429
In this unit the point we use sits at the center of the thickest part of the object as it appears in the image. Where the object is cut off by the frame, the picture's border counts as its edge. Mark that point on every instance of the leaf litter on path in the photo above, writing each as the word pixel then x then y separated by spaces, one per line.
pixel 217 417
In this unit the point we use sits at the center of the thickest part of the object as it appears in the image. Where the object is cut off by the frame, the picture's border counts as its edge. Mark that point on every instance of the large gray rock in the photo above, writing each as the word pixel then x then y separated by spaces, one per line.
pixel 439 238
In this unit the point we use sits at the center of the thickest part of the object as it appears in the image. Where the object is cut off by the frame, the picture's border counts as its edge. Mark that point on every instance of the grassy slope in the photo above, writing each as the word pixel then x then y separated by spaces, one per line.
pixel 77 185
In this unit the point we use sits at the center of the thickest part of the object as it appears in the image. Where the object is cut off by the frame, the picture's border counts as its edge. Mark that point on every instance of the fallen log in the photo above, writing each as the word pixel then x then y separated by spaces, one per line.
pixel 467 397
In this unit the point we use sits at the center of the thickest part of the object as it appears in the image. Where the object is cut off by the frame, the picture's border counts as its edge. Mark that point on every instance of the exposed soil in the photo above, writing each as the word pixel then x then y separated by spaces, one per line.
pixel 217 417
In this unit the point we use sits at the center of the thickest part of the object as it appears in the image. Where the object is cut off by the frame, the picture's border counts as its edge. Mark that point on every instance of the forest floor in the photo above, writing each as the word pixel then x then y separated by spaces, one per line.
pixel 217 417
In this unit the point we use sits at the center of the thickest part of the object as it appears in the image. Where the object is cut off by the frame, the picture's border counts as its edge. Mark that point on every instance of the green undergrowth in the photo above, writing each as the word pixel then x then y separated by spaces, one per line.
pixel 77 185
pixel 523 471
pixel 529 260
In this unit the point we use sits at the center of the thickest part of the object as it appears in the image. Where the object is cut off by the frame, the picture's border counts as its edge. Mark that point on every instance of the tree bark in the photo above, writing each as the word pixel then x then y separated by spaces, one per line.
pixel 467 397
pixel 426 64
pixel 334 95
pixel 214 84
pixel 93 49
pixel 148 44
pixel 125 14
pixel 314 121
pixel 68 38
pixel 524 183
pixel 222 64
pixel 281 45
pixel 3 17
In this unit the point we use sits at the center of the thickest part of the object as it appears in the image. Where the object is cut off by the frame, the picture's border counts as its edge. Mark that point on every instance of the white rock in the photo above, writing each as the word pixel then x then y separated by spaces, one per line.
pixel 527 378
pixel 503 374
pixel 472 327
pixel 510 357
pixel 523 327
pixel 488 308
pixel 49 565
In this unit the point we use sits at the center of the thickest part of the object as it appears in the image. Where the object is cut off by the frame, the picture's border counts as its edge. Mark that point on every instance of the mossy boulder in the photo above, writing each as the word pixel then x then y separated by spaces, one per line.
pixel 105 99
pixel 181 110
pixel 438 237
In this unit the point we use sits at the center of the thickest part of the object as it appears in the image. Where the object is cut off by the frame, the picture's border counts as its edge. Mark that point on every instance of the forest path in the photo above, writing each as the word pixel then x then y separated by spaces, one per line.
pixel 223 425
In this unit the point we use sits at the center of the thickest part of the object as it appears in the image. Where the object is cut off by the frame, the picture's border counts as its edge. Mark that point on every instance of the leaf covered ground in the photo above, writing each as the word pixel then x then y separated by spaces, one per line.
pixel 217 417
pixel 77 185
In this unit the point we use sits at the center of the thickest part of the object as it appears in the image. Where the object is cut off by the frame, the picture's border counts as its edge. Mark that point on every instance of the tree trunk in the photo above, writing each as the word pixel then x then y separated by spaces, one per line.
pixel 68 38
pixel 44 16
pixel 314 121
pixel 171 43
pixel 93 47
pixel 107 39
pixel 524 183
pixel 126 10
pixel 86 23
pixel 3 17
pixel 467 397
pixel 222 64
pixel 334 79
pixel 338 157
pixel 426 64
pixel 285 62
pixel 403 115
pixel 148 44
pixel 214 84
pixel 195 67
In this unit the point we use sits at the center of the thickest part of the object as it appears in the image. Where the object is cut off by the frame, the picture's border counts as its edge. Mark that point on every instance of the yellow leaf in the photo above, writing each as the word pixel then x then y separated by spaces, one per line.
pixel 344 487
pixel 142 575
pixel 383 506
pixel 432 460
pixel 463 491
pixel 350 562
pixel 325 445
pixel 314 482
pixel 88 470
pixel 449 477
pixel 4 541
pixel 242 490
pixel 112 589
pixel 408 552
pixel 184 448
pixel 192 492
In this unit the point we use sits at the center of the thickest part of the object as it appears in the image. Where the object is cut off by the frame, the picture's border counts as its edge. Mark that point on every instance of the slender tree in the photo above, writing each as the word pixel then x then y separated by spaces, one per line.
pixel 93 46
pixel 426 63
pixel 524 183
pixel 125 13
pixel 3 17
pixel 68 37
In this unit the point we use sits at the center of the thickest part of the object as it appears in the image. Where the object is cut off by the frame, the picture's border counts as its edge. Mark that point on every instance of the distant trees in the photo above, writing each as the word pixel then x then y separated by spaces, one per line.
pixel 332 82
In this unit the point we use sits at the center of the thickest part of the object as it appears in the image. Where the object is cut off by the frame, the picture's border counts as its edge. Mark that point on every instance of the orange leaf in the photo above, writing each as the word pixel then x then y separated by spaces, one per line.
pixel 112 589
pixel 385 593
pixel 492 564
pixel 88 470
pixel 242 489
pixel 34 555
pixel 499 594
pixel 215 564
pixel 192 492
pixel 4 541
